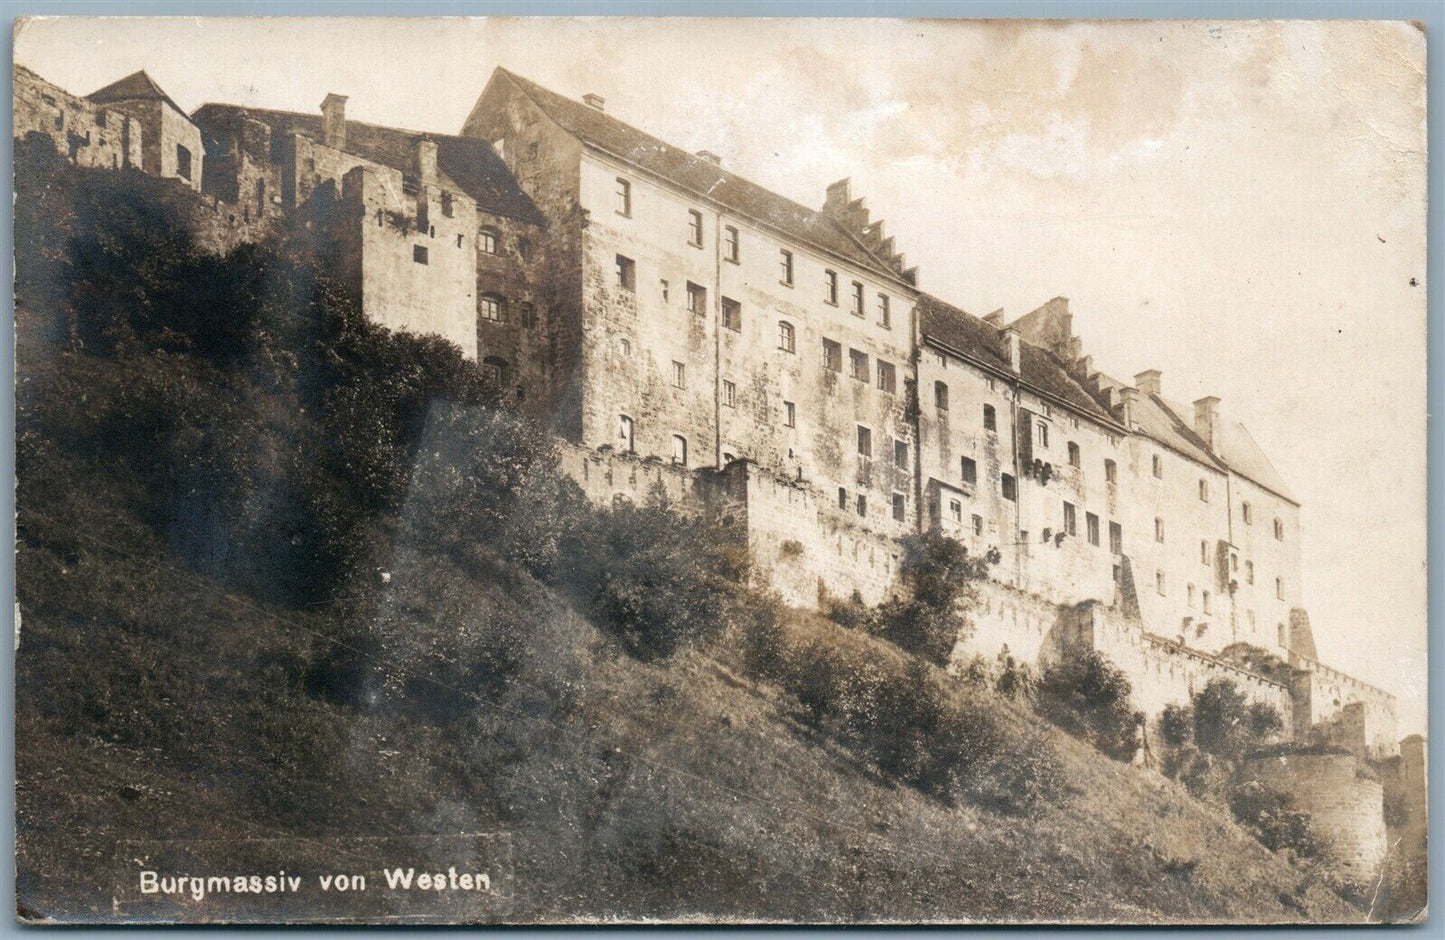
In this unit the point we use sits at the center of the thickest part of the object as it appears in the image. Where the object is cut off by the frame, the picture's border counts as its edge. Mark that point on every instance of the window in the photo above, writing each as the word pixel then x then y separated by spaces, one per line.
pixel 183 162
pixel 1116 538
pixel 1279 588
pixel 418 254
pixel 380 218
pixel 732 314
pixel 1158 529
pixel 696 298
pixel 862 505
pixel 447 204
pixel 423 209
pixel 666 293
pixel 1009 487
pixel 1159 582
pixel 1280 631
pixel 857 299
pixel 1203 552
pixel 679 375
pixel 830 287
pixel 730 244
pixel 1247 512
pixel 955 509
pixel 491 308
pixel 626 273
pixel 1071 520
pixel 1158 468
pixel 1279 529
pixel 1043 434
pixel 679 450
pixel 1111 472
pixel 460 240
pixel 990 422
pixel 977 524
pixel 487 241
pixel 887 378
pixel 885 315
pixel 494 369
pixel 842 498
pixel 940 395
pixel 1189 592
pixel 787 339
pixel 899 507
pixel 1091 527
pixel 694 228
pixel 832 356
pixel 529 317
pixel 865 442
pixel 624 346
pixel 1073 454
pixel 785 262
pixel 524 249
pixel 624 197
pixel 968 468
pixel 730 394
pixel 900 454
pixel 1249 572
pixel 1208 609
pixel 1203 490
pixel 790 415
pixel 858 365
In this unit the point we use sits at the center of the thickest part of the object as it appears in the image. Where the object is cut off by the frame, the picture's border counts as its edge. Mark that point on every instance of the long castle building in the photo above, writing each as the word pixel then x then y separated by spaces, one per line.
pixel 679 325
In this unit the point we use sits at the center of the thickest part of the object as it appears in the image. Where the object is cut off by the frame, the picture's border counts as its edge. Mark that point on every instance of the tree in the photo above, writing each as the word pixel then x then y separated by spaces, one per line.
pixel 939 575
pixel 1227 725
pixel 1089 698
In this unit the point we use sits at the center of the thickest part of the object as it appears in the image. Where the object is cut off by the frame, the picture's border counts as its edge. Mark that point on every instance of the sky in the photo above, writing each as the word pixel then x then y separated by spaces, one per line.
pixel 1239 204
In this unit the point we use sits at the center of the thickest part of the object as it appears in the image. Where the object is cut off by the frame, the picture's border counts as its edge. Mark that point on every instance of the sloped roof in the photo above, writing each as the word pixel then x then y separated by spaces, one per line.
pixel 966 333
pixel 700 176
pixel 1163 421
pixel 1238 448
pixel 137 86
pixel 463 164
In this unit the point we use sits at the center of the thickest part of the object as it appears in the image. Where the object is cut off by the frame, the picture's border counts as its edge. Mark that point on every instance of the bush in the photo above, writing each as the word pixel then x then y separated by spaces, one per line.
pixel 1271 816
pixel 1227 725
pixel 656 578
pixel 1089 698
pixel 938 575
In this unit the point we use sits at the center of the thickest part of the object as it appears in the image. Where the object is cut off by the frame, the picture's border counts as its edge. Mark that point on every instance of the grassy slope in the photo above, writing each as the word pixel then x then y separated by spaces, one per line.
pixel 152 704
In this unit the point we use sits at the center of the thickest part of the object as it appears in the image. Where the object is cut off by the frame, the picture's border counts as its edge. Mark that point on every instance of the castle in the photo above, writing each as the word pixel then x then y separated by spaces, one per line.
pixel 679 325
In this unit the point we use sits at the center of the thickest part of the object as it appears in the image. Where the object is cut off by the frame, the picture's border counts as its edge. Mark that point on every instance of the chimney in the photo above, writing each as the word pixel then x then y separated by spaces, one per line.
pixel 995 319
pixel 1130 397
pixel 424 160
pixel 837 196
pixel 595 101
pixel 710 157
pixel 1014 344
pixel 1148 381
pixel 1206 421
pixel 333 121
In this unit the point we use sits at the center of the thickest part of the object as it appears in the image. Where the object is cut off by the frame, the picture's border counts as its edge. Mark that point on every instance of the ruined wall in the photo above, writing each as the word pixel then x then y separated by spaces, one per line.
pixel 1345 801
pixel 410 276
pixel 87 134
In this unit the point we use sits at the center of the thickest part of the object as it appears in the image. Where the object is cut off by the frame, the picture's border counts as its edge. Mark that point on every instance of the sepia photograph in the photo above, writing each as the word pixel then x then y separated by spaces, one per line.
pixel 596 471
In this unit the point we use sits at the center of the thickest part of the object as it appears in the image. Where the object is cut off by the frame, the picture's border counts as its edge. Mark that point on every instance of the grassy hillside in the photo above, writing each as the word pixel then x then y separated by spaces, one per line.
pixel 261 599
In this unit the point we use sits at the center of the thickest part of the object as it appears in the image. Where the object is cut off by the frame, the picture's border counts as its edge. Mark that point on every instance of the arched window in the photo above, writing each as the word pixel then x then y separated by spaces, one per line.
pixel 679 450
pixel 990 419
pixel 488 240
pixel 940 395
pixel 787 338
pixel 625 441
pixel 492 308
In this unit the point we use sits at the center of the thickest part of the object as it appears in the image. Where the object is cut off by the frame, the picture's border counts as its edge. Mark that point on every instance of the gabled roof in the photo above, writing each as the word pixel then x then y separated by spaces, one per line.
pixel 1164 422
pixel 967 334
pixel 137 86
pixel 700 176
pixel 1234 448
pixel 464 164
pixel 1238 448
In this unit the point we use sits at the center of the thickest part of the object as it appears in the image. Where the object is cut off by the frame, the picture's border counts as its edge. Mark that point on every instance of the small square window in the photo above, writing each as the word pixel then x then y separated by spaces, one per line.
pixel 832 356
pixel 730 244
pixel 977 524
pixel 732 315
pixel 487 241
pixel 787 338
pixel 418 254
pixel 696 298
pixel 940 396
pixel 857 299
pixel 887 377
pixel 990 422
pixel 968 468
pixel 694 228
pixel 1009 487
pixel 858 365
pixel 830 287
pixel 955 509
pixel 1111 472
pixel 865 442
pixel 900 454
pixel 885 314
pixel 624 197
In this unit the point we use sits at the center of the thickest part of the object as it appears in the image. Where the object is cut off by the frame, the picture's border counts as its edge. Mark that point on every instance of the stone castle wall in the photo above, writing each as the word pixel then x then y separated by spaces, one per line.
pixel 87 134
pixel 1345 801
